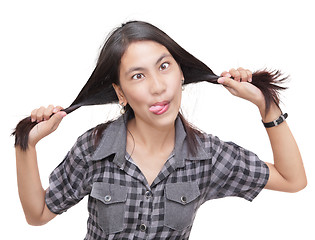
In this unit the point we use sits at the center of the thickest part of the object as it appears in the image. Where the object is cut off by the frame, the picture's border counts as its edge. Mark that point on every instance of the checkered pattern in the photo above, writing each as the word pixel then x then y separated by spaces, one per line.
pixel 121 203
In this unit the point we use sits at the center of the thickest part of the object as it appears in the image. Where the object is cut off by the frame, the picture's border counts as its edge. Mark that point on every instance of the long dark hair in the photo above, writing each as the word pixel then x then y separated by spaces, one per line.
pixel 99 90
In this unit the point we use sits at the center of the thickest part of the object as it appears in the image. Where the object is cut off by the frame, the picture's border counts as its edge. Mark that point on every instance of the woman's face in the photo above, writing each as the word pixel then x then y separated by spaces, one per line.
pixel 150 82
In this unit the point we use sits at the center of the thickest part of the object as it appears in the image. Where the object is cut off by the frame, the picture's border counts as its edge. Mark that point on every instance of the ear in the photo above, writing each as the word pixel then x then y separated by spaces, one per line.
pixel 120 94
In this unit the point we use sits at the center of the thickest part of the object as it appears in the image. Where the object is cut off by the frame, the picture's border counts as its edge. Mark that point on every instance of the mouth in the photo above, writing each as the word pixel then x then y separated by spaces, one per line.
pixel 159 107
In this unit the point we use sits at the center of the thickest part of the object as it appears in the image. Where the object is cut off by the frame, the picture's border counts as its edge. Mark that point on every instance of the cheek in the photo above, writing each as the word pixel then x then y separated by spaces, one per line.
pixel 136 96
pixel 175 84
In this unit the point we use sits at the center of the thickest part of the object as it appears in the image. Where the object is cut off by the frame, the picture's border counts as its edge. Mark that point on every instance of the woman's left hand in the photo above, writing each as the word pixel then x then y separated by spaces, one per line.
pixel 241 86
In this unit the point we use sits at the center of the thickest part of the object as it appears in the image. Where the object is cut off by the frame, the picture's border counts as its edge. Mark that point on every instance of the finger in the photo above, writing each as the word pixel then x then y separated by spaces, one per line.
pixel 40 114
pixel 48 111
pixel 226 74
pixel 55 120
pixel 57 109
pixel 250 75
pixel 244 76
pixel 235 74
pixel 228 82
pixel 230 85
pixel 33 115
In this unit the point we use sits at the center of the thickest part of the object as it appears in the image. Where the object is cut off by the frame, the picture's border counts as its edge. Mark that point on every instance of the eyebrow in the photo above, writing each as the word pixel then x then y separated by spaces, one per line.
pixel 163 56
pixel 134 69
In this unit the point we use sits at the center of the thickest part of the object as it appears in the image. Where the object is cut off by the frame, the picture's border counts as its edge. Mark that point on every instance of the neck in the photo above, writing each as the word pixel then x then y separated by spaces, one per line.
pixel 151 138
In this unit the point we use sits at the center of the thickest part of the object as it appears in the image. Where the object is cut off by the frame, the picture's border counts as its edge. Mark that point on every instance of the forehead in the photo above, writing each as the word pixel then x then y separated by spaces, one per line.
pixel 142 53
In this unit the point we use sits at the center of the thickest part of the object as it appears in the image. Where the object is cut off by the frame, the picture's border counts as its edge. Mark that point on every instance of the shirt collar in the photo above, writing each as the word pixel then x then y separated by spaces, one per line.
pixel 113 141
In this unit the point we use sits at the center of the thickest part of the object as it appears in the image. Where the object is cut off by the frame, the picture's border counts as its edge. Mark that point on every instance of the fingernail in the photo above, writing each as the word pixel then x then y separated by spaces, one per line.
pixel 55 110
pixel 228 75
pixel 250 79
pixel 221 80
pixel 32 120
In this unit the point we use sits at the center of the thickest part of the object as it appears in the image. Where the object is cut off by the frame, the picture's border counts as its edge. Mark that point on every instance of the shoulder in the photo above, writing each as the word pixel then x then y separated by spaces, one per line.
pixel 217 147
pixel 209 142
pixel 85 142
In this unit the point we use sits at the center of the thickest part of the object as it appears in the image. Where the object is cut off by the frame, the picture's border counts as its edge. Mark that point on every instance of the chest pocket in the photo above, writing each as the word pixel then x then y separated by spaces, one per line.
pixel 180 204
pixel 110 203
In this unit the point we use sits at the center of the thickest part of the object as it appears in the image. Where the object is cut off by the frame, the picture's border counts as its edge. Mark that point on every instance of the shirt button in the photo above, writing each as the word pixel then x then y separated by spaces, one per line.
pixel 143 227
pixel 148 194
pixel 107 198
pixel 183 199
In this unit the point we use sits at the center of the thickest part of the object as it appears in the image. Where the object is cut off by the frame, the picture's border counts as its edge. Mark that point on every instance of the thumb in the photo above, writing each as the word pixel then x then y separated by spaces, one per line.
pixel 228 82
pixel 55 120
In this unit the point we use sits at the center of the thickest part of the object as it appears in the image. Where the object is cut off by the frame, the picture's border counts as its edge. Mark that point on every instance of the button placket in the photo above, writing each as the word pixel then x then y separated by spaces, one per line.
pixel 145 212
pixel 147 194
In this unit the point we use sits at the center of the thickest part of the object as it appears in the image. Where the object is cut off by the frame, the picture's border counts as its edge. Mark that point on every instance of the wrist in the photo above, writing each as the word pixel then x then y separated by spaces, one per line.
pixel 260 102
pixel 273 113
pixel 276 122
pixel 32 142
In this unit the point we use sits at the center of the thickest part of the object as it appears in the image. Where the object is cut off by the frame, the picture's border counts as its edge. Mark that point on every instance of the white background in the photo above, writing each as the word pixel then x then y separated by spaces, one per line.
pixel 48 50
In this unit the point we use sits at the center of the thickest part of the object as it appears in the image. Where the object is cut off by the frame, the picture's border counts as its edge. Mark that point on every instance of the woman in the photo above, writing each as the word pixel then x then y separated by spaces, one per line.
pixel 147 172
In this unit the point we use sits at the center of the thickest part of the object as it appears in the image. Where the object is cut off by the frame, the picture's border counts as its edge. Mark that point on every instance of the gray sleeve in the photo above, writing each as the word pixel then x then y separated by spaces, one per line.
pixel 68 183
pixel 235 171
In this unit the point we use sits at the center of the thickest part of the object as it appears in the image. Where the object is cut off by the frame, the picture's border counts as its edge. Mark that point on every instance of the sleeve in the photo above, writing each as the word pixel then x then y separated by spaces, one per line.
pixel 235 171
pixel 68 183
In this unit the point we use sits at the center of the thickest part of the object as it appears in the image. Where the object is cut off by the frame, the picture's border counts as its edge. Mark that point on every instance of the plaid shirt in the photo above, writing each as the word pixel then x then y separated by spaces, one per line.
pixel 121 203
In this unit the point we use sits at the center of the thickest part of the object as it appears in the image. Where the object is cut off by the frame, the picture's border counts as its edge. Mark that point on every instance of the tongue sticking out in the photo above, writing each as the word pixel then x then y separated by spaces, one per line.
pixel 156 108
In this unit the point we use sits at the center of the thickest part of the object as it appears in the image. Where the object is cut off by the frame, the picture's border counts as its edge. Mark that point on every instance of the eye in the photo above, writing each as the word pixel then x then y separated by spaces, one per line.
pixel 137 76
pixel 164 66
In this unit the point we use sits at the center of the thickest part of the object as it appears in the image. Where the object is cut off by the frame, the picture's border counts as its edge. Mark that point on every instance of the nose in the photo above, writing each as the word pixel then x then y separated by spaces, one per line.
pixel 157 85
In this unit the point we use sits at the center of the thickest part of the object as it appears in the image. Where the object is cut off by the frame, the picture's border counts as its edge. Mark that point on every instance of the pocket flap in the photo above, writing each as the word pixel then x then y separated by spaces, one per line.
pixel 182 193
pixel 109 193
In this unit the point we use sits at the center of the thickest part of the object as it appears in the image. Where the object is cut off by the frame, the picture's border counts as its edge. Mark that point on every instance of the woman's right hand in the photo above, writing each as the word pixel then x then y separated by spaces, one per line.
pixel 46 123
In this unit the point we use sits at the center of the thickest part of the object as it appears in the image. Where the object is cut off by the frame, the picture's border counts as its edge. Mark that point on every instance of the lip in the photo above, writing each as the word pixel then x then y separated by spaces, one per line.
pixel 159 108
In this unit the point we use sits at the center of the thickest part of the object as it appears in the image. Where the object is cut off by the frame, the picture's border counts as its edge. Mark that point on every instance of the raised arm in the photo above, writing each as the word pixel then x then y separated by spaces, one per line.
pixel 287 173
pixel 31 192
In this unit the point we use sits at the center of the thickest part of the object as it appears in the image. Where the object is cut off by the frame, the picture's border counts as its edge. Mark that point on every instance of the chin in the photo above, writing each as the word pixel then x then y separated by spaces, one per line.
pixel 165 120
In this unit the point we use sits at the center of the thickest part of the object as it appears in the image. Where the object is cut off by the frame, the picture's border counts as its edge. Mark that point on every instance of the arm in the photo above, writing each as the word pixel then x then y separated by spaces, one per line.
pixel 287 173
pixel 31 192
